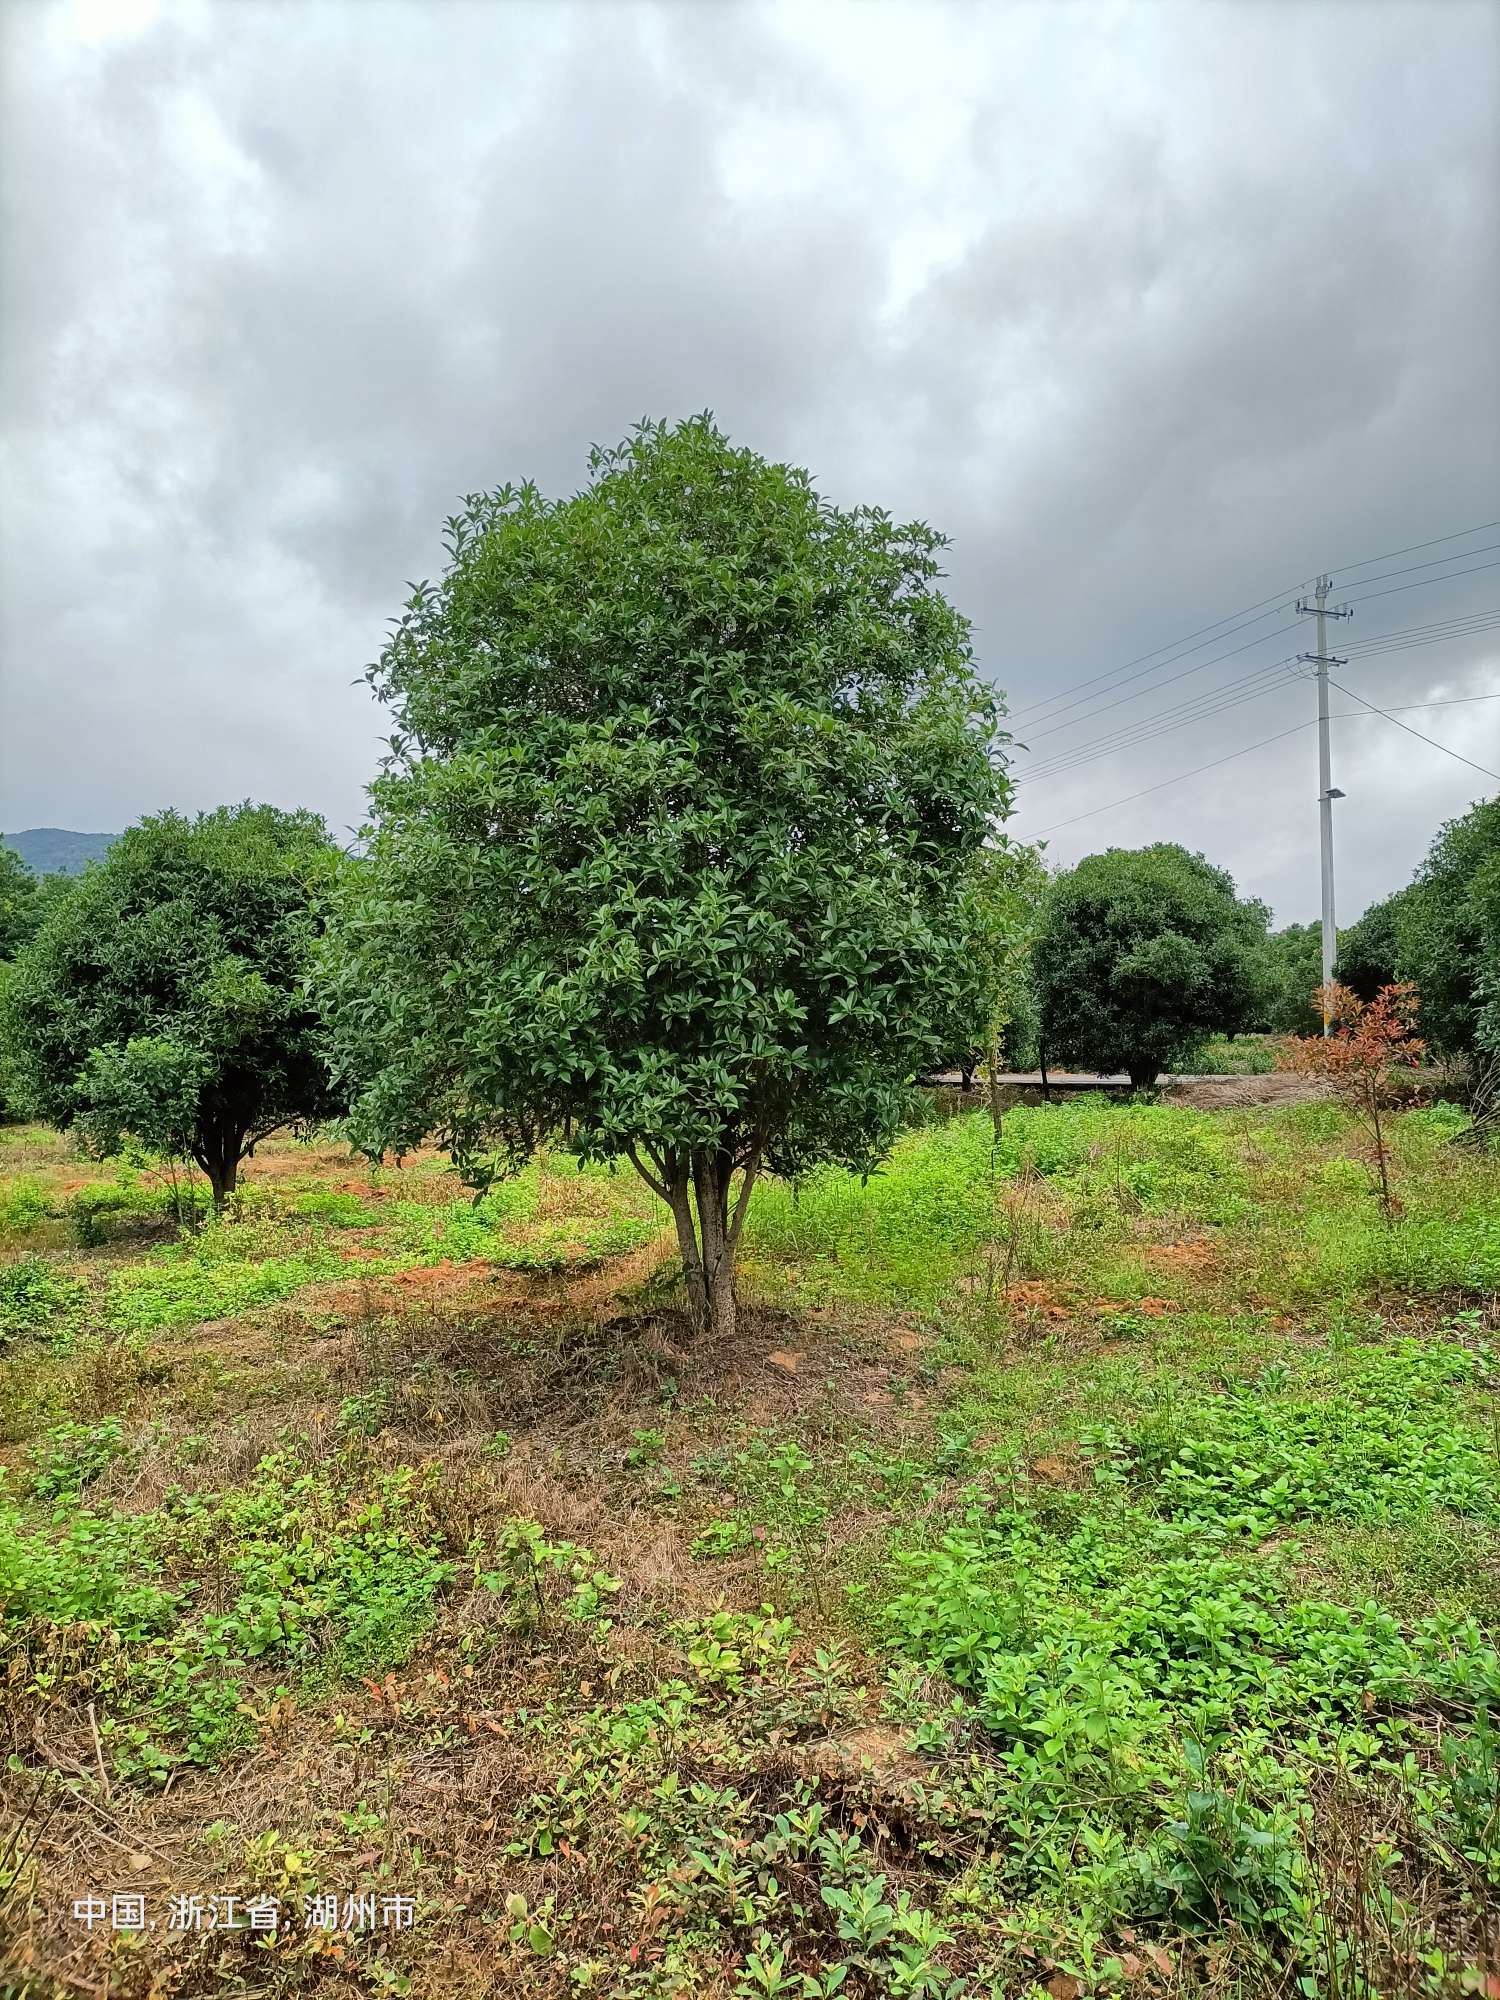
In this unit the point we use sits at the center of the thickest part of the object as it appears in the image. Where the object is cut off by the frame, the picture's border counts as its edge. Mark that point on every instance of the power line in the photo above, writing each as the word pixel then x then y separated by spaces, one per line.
pixel 1484 549
pixel 1057 827
pixel 1483 768
pixel 1259 683
pixel 1171 645
pixel 1264 681
pixel 1179 647
pixel 1171 679
pixel 1253 686
pixel 1407 708
pixel 1457 536
pixel 1422 582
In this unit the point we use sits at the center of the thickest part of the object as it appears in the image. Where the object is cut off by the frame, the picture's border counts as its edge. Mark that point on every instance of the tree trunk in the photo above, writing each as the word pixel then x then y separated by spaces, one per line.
pixel 711 1177
pixel 223 1176
pixel 1144 1079
pixel 218 1153
pixel 996 1109
pixel 679 1195
pixel 696 1188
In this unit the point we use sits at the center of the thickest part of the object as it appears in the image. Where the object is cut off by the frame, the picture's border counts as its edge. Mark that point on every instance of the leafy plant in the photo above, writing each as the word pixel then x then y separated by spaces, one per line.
pixel 163 998
pixel 682 870
pixel 36 1298
pixel 1140 954
pixel 1372 1038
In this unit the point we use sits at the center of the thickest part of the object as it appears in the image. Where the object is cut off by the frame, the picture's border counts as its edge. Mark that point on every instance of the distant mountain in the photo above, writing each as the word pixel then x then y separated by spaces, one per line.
pixel 54 850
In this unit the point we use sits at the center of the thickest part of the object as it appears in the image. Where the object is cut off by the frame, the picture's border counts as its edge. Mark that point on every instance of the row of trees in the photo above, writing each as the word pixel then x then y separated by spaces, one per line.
pixel 1441 932
pixel 1137 956
pixel 687 836
pixel 684 772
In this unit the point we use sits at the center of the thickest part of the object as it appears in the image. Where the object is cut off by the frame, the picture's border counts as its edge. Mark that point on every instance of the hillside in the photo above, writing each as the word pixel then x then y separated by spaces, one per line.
pixel 57 850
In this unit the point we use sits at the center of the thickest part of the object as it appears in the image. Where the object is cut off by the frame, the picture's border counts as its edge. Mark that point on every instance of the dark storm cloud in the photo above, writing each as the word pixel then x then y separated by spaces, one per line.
pixel 1155 310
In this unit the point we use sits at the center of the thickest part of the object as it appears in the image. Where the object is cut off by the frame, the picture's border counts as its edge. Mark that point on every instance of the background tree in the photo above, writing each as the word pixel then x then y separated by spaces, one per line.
pixel 1444 941
pixel 164 996
pixel 18 903
pixel 685 770
pixel 1003 899
pixel 1143 952
pixel 1369 950
pixel 1294 971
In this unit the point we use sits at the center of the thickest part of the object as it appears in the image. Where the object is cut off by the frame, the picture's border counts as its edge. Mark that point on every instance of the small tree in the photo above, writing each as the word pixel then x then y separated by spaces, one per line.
pixel 1143 952
pixel 164 996
pixel 1371 1039
pixel 685 770
pixel 1002 906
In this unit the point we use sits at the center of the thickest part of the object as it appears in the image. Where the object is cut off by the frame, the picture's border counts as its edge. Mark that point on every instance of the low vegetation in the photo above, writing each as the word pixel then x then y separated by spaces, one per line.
pixel 1079 1574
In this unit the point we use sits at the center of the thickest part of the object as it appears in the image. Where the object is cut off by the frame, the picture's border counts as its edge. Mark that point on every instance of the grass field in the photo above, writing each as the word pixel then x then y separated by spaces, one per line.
pixel 1081 1575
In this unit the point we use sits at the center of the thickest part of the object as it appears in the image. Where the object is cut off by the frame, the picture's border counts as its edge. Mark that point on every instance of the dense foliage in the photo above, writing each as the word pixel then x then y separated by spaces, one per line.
pixel 1143 952
pixel 684 772
pixel 1369 951
pixel 18 896
pixel 163 997
pixel 1448 934
pixel 1006 888
pixel 1294 969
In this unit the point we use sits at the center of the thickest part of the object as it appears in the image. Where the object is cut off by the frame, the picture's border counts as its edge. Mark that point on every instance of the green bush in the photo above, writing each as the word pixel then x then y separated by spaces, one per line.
pixel 35 1298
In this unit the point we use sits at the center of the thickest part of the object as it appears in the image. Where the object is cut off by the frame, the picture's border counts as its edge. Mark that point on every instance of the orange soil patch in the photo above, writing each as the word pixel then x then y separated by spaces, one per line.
pixel 1194 1256
pixel 1043 1298
pixel 476 1282
pixel 282 1162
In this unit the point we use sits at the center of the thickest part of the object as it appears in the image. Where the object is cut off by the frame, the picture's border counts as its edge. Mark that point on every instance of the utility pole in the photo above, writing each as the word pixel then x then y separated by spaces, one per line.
pixel 1322 660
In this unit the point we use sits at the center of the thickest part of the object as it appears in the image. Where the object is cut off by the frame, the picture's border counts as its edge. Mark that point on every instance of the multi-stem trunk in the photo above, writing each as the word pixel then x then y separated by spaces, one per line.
pixel 697 1188
pixel 217 1151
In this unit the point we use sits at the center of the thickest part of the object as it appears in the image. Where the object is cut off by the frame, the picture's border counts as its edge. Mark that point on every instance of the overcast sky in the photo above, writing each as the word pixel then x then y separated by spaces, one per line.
pixel 1155 309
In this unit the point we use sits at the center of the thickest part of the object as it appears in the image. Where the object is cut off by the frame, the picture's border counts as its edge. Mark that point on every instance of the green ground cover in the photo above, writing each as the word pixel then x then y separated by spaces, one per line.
pixel 1082 1575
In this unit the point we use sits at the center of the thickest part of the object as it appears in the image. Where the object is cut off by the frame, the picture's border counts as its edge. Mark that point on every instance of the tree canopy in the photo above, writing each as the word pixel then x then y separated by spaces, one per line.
pixel 18 902
pixel 1004 894
pixel 1294 972
pixel 1369 950
pixel 684 772
pixel 1446 939
pixel 164 997
pixel 1143 952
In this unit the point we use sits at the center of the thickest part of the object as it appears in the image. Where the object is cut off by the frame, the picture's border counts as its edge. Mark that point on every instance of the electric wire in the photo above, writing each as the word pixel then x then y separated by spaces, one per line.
pixel 1254 687
pixel 1484 768
pixel 1408 708
pixel 1423 582
pixel 1250 614
pixel 1259 683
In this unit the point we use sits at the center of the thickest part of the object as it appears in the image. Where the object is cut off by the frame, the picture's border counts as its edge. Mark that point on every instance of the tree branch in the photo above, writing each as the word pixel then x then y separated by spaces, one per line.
pixel 657 1187
pixel 752 1168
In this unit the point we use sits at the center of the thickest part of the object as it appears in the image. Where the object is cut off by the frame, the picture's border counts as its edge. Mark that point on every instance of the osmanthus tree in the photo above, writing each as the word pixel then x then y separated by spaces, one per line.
pixel 164 998
pixel 685 772
pixel 1141 953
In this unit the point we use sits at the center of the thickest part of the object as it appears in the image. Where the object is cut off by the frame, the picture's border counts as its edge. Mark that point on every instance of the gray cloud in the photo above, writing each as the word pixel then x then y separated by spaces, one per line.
pixel 1155 310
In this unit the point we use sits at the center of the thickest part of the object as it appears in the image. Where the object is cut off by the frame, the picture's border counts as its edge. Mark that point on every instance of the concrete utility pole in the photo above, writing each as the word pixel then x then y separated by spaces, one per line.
pixel 1322 660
